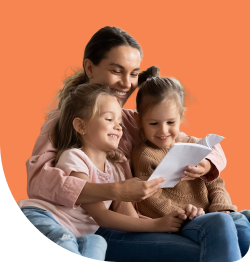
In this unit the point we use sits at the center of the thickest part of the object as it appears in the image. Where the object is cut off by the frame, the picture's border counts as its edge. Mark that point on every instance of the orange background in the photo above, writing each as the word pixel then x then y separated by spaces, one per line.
pixel 205 44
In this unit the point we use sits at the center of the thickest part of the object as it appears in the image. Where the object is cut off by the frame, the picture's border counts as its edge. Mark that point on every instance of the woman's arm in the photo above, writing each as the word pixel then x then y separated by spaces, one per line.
pixel 52 184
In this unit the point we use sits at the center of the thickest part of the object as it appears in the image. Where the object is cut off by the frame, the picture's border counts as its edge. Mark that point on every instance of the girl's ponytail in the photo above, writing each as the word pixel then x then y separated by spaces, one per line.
pixel 152 71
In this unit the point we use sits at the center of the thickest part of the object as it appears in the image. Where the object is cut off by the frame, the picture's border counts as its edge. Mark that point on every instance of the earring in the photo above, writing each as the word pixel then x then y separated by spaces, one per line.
pixel 83 133
pixel 90 76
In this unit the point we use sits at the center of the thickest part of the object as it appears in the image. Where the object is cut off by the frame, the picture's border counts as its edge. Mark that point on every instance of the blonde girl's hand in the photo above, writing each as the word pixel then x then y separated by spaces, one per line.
pixel 170 222
pixel 193 172
pixel 192 211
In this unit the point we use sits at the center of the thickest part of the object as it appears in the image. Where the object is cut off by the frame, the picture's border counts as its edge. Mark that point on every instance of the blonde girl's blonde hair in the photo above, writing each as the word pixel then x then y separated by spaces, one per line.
pixel 81 102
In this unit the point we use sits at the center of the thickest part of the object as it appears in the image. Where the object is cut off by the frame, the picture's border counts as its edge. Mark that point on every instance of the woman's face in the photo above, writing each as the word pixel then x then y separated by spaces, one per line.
pixel 119 70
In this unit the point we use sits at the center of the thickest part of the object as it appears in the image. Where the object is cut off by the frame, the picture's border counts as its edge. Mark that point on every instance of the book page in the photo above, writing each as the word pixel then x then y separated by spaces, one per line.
pixel 214 139
pixel 178 158
pixel 203 142
pixel 210 140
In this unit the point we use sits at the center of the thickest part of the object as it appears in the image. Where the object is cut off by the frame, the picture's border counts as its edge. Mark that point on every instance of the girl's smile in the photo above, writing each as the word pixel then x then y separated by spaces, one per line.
pixel 163 137
pixel 161 123
pixel 104 131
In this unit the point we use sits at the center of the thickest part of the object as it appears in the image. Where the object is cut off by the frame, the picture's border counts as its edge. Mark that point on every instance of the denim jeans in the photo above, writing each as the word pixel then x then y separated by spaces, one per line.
pixel 241 220
pixel 208 238
pixel 91 246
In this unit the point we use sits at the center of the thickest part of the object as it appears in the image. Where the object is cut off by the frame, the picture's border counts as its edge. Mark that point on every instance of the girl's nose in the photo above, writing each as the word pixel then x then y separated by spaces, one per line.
pixel 118 127
pixel 164 128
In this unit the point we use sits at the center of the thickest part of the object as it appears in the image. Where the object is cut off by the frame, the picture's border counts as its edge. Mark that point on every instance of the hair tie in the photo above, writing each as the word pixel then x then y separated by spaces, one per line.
pixel 149 78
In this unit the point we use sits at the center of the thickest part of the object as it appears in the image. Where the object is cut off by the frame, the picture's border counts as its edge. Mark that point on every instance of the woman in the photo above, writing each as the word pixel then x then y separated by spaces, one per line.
pixel 112 58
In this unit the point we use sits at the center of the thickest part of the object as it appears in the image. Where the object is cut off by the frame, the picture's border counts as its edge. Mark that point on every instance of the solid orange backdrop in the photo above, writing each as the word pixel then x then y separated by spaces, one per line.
pixel 203 44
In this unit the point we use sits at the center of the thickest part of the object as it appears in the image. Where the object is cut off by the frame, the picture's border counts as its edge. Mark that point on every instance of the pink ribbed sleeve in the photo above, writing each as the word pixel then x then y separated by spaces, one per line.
pixel 46 182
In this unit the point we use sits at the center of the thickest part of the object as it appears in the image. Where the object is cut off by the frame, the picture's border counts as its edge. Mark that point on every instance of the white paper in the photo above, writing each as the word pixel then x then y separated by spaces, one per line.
pixel 210 140
pixel 179 157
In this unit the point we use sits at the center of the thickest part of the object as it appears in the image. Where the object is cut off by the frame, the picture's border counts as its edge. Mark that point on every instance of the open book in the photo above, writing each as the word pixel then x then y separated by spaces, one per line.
pixel 180 156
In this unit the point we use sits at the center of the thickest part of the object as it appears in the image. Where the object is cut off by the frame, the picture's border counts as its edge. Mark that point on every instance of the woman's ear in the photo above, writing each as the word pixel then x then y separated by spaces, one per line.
pixel 79 126
pixel 88 67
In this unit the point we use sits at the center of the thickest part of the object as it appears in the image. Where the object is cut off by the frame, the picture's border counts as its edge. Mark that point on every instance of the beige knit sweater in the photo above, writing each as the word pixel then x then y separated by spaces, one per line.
pixel 211 196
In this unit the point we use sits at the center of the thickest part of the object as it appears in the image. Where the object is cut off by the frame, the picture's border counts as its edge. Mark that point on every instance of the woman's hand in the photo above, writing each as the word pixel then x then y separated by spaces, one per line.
pixel 193 172
pixel 135 190
pixel 192 211
pixel 170 222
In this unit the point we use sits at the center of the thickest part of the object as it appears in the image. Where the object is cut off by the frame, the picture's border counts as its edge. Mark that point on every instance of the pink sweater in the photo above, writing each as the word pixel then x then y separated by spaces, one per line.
pixel 55 186
pixel 77 220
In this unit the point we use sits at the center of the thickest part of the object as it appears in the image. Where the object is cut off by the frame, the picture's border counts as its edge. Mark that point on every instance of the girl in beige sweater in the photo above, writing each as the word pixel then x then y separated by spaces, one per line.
pixel 160 105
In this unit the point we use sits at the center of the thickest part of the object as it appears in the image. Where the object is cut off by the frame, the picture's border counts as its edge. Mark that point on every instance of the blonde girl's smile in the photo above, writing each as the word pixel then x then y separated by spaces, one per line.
pixel 104 131
pixel 114 136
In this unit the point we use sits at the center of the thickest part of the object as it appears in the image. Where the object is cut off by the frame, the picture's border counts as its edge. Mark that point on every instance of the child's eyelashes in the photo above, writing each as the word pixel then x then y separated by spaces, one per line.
pixel 156 123
pixel 110 120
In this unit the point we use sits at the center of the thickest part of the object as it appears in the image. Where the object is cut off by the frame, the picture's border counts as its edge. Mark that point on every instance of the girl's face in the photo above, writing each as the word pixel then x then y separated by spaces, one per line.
pixel 104 131
pixel 119 70
pixel 161 124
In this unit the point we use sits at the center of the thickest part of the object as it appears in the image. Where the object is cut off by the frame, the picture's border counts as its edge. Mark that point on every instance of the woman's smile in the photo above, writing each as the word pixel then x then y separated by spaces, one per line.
pixel 119 94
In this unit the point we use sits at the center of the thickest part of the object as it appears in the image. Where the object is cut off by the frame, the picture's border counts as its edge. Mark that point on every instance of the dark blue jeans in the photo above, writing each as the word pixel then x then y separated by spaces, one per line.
pixel 241 220
pixel 209 238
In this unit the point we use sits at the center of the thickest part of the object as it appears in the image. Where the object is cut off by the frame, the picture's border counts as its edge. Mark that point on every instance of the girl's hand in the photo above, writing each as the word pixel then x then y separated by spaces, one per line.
pixel 170 222
pixel 192 211
pixel 227 212
pixel 193 172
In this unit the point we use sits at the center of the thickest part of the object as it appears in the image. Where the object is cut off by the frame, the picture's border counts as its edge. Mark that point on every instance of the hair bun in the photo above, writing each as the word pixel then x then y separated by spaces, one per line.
pixel 150 72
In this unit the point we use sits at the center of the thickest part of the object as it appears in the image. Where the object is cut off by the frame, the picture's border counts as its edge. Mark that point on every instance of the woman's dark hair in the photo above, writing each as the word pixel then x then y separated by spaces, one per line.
pixel 97 48
pixel 157 89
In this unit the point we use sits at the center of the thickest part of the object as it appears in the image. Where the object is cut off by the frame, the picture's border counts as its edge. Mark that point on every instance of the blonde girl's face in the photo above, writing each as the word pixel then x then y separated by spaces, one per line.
pixel 104 131
pixel 161 124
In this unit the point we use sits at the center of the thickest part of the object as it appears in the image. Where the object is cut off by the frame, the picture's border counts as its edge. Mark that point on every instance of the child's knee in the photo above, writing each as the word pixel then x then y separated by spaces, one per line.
pixel 222 220
pixel 246 213
pixel 67 240
pixel 96 240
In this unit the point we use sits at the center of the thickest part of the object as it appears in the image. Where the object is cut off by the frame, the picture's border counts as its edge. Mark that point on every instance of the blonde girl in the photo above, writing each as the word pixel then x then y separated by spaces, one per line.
pixel 87 133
